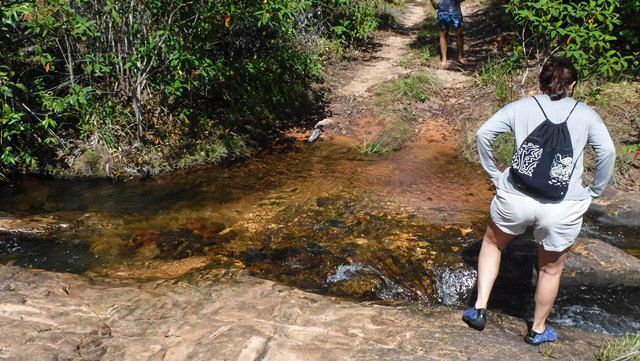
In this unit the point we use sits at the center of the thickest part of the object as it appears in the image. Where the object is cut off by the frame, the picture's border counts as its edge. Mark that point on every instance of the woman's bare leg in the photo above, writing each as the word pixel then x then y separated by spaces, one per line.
pixel 550 266
pixel 493 243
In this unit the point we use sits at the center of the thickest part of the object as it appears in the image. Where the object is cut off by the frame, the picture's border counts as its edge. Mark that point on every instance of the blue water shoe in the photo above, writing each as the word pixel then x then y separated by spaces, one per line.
pixel 475 318
pixel 534 338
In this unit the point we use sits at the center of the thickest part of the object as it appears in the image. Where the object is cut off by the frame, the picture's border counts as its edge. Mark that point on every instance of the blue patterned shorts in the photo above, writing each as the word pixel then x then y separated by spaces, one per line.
pixel 447 20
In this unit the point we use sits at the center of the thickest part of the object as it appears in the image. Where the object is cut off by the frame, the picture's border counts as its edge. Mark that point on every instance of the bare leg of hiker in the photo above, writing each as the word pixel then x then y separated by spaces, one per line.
pixel 460 45
pixel 443 47
pixel 550 269
pixel 493 243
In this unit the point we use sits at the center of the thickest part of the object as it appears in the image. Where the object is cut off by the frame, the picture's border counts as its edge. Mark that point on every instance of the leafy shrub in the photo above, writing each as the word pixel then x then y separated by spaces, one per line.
pixel 585 31
pixel 628 32
pixel 160 72
pixel 351 19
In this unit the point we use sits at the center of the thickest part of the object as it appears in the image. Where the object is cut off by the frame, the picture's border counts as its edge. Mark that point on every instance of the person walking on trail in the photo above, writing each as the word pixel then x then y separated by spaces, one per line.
pixel 450 16
pixel 543 187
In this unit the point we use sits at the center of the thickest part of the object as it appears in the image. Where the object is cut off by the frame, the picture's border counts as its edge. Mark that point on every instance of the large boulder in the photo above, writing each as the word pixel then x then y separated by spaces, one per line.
pixel 596 263
pixel 592 265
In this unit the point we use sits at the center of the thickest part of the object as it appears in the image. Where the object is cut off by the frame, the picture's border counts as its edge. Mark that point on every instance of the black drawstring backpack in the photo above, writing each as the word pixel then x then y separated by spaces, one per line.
pixel 543 164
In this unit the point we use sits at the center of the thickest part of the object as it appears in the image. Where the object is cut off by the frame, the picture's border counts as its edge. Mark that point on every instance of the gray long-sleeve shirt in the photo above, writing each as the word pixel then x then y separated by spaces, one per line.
pixel 585 127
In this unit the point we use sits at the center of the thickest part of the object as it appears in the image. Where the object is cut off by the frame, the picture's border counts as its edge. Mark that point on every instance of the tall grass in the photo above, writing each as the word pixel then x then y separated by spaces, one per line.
pixel 417 87
pixel 389 140
pixel 499 75
pixel 624 349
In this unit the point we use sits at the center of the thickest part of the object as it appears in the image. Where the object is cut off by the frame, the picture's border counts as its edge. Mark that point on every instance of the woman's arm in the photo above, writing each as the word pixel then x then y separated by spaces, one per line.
pixel 601 142
pixel 499 123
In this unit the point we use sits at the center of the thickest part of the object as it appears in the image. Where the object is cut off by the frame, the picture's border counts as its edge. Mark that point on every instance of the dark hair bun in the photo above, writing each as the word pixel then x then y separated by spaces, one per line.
pixel 556 77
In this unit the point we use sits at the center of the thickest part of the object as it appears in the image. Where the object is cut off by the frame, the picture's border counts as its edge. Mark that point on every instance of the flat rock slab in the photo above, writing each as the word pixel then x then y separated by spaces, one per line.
pixel 228 315
pixel 617 208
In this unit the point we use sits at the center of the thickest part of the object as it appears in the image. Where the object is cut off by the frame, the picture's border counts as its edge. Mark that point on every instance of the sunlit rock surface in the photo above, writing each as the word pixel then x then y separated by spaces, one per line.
pixel 227 315
pixel 617 208
pixel 596 263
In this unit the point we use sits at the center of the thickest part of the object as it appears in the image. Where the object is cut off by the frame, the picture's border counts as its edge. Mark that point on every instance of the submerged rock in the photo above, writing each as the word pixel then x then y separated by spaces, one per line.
pixel 32 226
pixel 52 253
pixel 362 287
pixel 152 270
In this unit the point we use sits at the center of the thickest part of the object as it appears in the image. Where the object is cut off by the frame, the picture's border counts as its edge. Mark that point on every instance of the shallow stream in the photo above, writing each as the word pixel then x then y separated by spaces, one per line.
pixel 318 217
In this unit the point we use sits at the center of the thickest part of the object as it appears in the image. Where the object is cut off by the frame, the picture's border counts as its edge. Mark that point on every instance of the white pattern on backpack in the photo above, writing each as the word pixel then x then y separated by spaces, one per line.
pixel 560 170
pixel 527 158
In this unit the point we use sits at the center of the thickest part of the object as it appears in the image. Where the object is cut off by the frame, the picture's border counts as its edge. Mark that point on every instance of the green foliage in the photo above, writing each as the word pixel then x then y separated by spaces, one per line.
pixel 585 31
pixel 620 349
pixel 503 148
pixel 633 149
pixel 351 19
pixel 160 72
pixel 628 33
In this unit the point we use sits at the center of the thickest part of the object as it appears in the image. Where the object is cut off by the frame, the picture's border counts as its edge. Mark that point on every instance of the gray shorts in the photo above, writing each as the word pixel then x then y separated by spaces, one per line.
pixel 555 225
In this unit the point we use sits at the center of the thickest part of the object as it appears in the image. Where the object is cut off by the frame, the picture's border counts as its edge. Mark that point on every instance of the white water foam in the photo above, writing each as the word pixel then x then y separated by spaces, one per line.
pixel 452 285
pixel 348 271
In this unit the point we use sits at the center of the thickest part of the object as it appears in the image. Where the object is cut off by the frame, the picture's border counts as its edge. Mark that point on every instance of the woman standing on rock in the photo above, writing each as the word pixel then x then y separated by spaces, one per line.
pixel 543 187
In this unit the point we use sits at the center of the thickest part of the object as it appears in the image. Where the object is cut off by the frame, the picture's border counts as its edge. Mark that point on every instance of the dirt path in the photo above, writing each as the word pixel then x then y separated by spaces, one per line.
pixel 354 88
pixel 387 58
pixel 396 47
pixel 426 173
pixel 454 76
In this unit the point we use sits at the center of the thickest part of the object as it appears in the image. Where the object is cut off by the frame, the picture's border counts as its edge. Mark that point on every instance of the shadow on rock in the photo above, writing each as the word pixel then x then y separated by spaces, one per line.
pixel 514 288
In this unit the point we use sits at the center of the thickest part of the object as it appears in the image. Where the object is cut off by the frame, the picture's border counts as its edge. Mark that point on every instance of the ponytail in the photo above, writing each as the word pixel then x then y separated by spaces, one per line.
pixel 556 77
